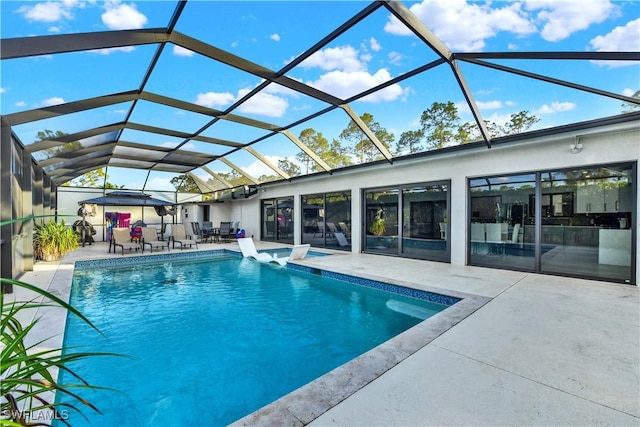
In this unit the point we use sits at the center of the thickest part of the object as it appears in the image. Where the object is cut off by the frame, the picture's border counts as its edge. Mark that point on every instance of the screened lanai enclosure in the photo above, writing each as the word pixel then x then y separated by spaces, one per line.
pixel 175 96
pixel 226 99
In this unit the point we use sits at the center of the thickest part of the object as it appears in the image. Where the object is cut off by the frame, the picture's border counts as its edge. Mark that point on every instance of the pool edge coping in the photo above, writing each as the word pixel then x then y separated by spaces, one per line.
pixel 308 402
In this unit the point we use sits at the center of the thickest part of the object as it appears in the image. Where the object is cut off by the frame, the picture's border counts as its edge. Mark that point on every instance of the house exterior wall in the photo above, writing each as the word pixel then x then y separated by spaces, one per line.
pixel 602 145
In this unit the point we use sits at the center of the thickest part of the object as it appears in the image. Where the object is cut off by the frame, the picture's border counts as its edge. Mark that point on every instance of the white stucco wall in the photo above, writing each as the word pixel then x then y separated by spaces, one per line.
pixel 612 144
pixel 602 145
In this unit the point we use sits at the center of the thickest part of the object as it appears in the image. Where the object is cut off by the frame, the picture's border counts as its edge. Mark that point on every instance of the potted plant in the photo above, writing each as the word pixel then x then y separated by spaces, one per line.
pixel 28 370
pixel 377 227
pixel 52 240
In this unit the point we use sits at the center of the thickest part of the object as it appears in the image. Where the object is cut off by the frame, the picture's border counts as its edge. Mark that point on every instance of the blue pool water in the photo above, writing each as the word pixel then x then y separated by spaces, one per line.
pixel 212 340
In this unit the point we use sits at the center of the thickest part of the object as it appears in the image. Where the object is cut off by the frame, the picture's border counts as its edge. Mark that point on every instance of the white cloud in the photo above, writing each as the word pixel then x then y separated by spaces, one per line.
pixel 489 105
pixel 499 119
pixel 375 46
pixel 235 43
pixel 156 183
pixel 462 107
pixel 2 90
pixel 556 107
pixel 346 84
pixel 50 11
pixel 275 88
pixel 275 37
pixel 480 22
pixel 628 92
pixel 20 104
pixel 338 58
pixel 56 100
pixel 215 99
pixel 395 58
pixel 121 16
pixel 257 168
pixel 111 50
pixel 562 18
pixel 264 104
pixel 181 51
pixel 623 39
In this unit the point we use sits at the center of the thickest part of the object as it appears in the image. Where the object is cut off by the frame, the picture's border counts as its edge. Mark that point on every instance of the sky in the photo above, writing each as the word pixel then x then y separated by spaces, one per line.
pixel 272 34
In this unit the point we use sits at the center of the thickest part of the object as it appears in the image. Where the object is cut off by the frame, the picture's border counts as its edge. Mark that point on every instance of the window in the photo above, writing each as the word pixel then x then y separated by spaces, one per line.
pixel 502 226
pixel 327 220
pixel 574 222
pixel 278 220
pixel 409 221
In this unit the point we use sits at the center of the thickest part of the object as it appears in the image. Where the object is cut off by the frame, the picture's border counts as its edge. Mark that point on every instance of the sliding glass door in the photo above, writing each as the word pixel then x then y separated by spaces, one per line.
pixel 327 220
pixel 278 220
pixel 574 222
pixel 503 222
pixel 409 221
pixel 586 222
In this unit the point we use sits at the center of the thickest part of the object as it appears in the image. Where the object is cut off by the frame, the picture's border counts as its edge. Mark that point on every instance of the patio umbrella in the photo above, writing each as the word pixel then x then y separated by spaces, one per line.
pixel 126 198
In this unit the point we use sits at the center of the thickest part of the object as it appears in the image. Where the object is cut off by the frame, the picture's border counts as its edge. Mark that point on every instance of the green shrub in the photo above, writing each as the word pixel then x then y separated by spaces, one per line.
pixel 52 240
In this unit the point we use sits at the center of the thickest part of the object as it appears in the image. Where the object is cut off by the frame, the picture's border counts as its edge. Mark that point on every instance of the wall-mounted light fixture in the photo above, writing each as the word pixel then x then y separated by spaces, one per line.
pixel 576 147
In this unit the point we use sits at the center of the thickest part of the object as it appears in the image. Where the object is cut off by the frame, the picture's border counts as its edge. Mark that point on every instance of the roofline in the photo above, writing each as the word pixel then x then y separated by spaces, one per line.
pixel 498 141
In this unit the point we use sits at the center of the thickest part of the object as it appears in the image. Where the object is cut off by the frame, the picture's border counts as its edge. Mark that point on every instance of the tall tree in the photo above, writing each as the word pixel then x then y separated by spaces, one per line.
pixel 442 128
pixel 338 155
pixel 185 184
pixel 410 142
pixel 519 122
pixel 289 167
pixel 363 148
pixel 440 125
pixel 234 178
pixel 316 143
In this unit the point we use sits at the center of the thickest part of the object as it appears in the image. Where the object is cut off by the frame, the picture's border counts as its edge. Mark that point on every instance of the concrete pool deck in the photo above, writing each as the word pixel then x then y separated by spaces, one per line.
pixel 543 350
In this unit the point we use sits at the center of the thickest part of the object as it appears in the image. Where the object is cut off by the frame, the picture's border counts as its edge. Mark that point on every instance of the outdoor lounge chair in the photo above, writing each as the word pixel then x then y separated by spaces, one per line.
pixel 179 235
pixel 122 237
pixel 150 237
pixel 249 251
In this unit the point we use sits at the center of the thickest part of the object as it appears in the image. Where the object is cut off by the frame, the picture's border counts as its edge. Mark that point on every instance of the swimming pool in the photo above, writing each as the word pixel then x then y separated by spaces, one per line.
pixel 189 327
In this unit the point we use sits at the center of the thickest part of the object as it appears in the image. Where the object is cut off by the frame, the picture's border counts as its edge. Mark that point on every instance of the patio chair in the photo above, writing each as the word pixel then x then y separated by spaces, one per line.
pixel 213 233
pixel 225 232
pixel 200 232
pixel 179 235
pixel 150 237
pixel 122 237
pixel 235 229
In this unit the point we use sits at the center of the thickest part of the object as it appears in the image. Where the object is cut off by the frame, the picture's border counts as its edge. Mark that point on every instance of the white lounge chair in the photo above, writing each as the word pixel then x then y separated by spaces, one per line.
pixel 249 251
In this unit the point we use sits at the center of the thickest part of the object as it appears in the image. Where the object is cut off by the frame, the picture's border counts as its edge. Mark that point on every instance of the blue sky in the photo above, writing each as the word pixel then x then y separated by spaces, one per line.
pixel 271 34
